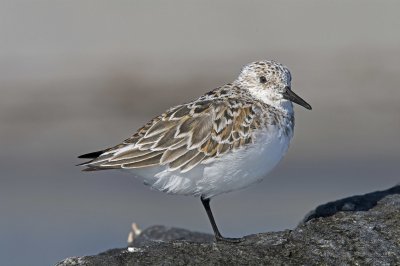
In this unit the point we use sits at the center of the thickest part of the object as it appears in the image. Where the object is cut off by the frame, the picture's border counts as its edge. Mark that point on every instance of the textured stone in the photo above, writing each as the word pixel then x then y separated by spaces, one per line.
pixel 157 234
pixel 360 230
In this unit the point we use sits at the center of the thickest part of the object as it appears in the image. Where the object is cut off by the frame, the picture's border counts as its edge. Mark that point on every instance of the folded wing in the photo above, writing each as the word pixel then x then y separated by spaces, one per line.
pixel 184 137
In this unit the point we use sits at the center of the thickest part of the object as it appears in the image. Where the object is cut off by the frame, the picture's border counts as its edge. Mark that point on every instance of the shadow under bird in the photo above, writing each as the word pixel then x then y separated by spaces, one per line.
pixel 227 139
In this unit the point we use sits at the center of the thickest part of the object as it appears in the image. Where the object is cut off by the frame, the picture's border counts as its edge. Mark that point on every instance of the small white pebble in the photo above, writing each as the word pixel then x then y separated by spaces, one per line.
pixel 133 249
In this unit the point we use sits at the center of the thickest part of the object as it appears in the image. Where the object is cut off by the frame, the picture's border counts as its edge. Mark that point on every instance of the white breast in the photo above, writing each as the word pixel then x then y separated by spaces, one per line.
pixel 242 168
pixel 232 171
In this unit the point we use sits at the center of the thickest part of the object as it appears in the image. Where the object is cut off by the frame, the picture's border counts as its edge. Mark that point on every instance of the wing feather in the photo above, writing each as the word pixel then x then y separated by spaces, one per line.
pixel 129 154
pixel 159 127
pixel 193 162
pixel 184 137
pixel 167 140
pixel 147 157
pixel 171 155
pixel 145 163
pixel 182 160
pixel 149 139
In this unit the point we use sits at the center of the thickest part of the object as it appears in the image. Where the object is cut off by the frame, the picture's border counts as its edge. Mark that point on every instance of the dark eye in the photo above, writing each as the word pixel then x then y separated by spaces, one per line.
pixel 263 79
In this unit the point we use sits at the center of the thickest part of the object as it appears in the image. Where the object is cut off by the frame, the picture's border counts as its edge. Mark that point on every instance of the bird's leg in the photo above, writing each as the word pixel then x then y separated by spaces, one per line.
pixel 218 236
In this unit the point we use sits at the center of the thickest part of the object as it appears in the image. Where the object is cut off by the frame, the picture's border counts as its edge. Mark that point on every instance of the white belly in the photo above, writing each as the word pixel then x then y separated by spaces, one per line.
pixel 232 171
pixel 244 167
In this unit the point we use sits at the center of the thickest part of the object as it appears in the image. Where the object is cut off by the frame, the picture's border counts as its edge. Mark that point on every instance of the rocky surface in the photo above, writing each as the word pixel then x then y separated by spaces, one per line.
pixel 359 230
pixel 158 234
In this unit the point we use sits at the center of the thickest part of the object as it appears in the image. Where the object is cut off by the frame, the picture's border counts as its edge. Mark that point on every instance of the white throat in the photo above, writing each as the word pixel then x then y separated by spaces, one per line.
pixel 272 99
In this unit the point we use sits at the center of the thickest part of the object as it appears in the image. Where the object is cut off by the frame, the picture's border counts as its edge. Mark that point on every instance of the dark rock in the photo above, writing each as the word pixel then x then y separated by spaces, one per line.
pixel 366 233
pixel 354 203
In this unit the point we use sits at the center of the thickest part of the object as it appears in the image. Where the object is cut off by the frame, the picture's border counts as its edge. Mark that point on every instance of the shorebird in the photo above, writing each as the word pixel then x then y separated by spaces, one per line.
pixel 227 139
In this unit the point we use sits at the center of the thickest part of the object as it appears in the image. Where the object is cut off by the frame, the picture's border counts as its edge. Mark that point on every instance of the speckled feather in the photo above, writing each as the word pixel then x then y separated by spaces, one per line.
pixel 184 136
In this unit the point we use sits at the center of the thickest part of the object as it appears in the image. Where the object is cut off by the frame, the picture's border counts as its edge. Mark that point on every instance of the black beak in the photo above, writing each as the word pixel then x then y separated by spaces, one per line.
pixel 293 97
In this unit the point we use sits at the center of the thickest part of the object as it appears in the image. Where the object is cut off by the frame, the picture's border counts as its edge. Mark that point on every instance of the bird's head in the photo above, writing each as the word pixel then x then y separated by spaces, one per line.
pixel 270 82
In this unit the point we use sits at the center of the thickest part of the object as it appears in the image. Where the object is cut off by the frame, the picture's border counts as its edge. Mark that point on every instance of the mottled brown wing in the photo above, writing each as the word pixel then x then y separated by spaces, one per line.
pixel 184 136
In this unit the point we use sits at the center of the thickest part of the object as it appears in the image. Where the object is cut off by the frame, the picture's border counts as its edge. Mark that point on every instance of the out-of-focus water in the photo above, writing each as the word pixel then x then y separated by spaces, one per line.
pixel 80 77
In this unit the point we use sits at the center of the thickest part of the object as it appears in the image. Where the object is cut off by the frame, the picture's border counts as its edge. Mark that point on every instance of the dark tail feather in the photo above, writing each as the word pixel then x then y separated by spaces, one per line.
pixel 81 164
pixel 91 155
pixel 90 169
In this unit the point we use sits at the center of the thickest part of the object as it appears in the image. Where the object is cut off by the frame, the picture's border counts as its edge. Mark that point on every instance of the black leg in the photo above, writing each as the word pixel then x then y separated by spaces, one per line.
pixel 218 236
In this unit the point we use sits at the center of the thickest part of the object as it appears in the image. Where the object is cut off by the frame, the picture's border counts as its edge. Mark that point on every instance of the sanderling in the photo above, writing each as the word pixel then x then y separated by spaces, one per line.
pixel 227 139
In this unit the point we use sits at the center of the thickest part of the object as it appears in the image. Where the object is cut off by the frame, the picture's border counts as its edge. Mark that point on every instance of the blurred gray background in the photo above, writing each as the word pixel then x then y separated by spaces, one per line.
pixel 78 76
